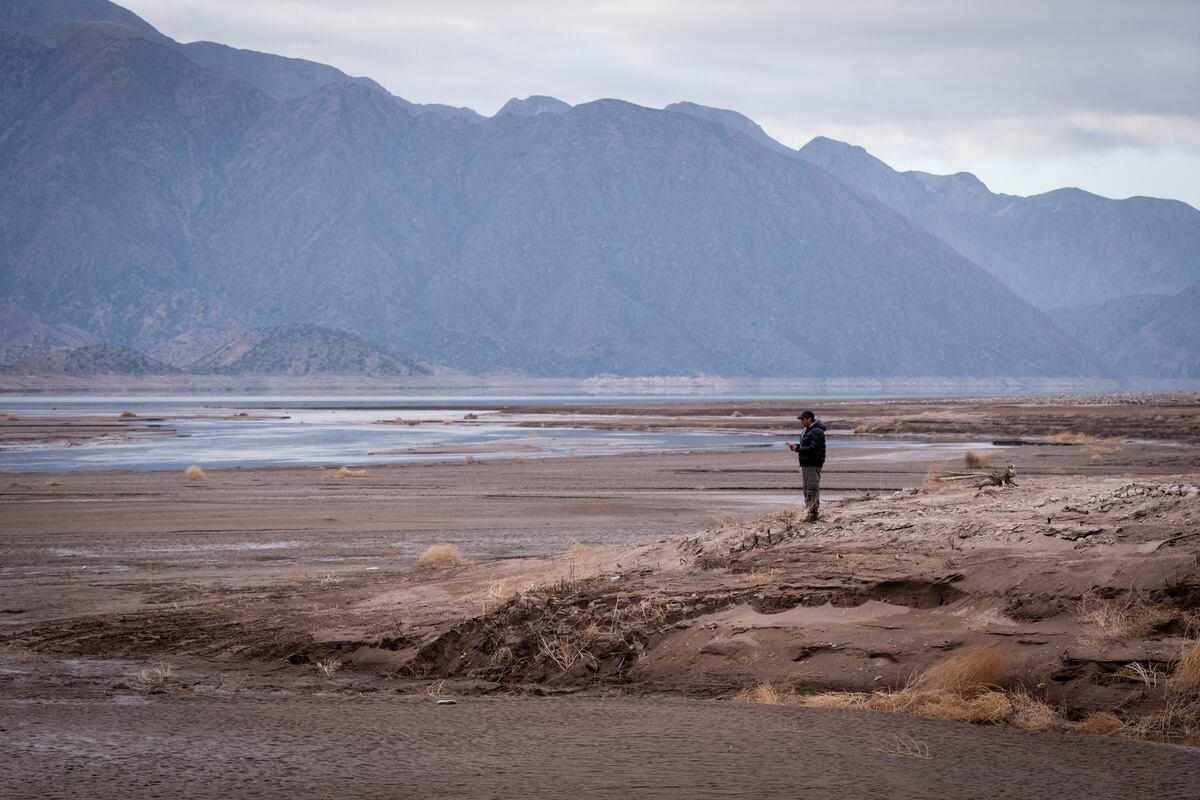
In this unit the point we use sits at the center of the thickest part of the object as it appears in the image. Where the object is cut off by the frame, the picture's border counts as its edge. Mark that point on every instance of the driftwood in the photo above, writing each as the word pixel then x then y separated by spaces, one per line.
pixel 1004 478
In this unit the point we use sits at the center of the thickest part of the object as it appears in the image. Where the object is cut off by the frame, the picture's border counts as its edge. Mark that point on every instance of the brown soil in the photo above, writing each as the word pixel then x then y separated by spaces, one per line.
pixel 633 574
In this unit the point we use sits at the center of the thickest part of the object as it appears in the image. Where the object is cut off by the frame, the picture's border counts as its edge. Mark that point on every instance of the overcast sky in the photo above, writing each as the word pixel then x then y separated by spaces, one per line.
pixel 1030 96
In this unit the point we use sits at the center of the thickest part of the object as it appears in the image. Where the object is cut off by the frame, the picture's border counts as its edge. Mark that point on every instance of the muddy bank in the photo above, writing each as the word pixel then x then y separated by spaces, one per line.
pixel 371 746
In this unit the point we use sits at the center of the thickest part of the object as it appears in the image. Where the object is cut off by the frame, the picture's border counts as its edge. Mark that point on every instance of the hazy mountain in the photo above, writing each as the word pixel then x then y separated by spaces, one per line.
pixel 1142 335
pixel 532 106
pixel 302 350
pixel 1062 244
pixel 97 359
pixel 54 18
pixel 734 121
pixel 282 78
pixel 144 196
pixel 110 150
pixel 609 238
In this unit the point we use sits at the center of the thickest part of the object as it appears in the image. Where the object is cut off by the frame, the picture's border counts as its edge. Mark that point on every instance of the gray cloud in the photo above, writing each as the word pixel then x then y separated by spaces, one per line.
pixel 971 81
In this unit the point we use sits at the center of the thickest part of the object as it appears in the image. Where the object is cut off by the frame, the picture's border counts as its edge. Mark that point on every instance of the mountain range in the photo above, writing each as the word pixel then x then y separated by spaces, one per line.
pixel 174 197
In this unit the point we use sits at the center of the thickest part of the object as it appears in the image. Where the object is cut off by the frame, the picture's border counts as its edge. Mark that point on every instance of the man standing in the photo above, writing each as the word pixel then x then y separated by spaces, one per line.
pixel 811 452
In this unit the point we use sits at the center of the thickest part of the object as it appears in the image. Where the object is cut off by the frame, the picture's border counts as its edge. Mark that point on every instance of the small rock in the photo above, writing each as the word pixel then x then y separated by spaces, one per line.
pixel 446 701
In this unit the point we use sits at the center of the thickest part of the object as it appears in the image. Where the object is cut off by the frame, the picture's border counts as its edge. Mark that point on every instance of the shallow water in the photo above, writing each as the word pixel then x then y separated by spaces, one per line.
pixel 296 432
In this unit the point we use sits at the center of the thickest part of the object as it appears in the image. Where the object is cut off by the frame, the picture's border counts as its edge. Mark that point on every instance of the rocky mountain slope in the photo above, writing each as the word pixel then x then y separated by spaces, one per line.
pixel 149 190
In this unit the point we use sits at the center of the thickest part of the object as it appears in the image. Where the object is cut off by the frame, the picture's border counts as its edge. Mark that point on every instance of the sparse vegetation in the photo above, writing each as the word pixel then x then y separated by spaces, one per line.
pixel 1097 459
pixel 128 415
pixel 441 555
pixel 194 473
pixel 973 461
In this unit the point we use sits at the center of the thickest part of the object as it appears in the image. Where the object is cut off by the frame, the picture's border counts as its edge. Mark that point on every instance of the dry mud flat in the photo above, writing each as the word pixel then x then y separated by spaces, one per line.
pixel 268 631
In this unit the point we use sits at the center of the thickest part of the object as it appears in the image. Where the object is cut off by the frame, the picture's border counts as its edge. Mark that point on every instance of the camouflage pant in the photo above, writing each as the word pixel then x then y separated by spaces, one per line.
pixel 812 490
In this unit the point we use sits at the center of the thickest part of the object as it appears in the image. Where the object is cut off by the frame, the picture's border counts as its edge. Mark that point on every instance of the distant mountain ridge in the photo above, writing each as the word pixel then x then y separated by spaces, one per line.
pixel 1065 243
pixel 170 197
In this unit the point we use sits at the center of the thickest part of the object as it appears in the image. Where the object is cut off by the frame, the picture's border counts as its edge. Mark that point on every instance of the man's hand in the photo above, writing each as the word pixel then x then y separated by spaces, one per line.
pixel 793 447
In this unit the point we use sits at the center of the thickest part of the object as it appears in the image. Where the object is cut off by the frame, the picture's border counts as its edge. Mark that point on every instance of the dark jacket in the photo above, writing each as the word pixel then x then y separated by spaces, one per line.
pixel 812 445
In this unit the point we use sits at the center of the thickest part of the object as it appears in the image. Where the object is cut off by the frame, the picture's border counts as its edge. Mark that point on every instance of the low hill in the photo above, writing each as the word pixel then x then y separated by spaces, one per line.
pixel 302 350
pixel 98 359
pixel 1152 336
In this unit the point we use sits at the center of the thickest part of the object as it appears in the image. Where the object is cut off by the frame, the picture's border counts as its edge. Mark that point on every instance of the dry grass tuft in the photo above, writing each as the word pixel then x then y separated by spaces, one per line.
pixel 128 415
pixel 1072 437
pixel 1118 620
pixel 973 461
pixel 301 576
pixel 346 472
pixel 329 667
pixel 1032 714
pixel 153 677
pixel 737 413
pixel 902 745
pixel 766 694
pixel 865 427
pixel 1097 459
pixel 1186 675
pixel 1101 723
pixel 11 417
pixel 194 473
pixel 974 669
pixel 935 479
pixel 835 700
pixel 441 555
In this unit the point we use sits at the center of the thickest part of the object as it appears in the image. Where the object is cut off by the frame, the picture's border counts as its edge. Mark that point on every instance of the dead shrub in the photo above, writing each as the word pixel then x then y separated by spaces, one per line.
pixel 866 427
pixel 974 669
pixel 128 415
pixel 1101 723
pixel 441 555
pixel 194 473
pixel 974 461
pixel 737 413
pixel 1116 620
pixel 1097 459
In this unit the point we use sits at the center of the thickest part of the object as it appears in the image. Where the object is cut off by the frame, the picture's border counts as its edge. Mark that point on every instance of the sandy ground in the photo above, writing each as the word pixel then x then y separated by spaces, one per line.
pixel 268 631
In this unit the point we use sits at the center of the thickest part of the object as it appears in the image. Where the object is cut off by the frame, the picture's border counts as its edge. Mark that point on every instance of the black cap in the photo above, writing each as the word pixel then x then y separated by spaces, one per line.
pixel 806 414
